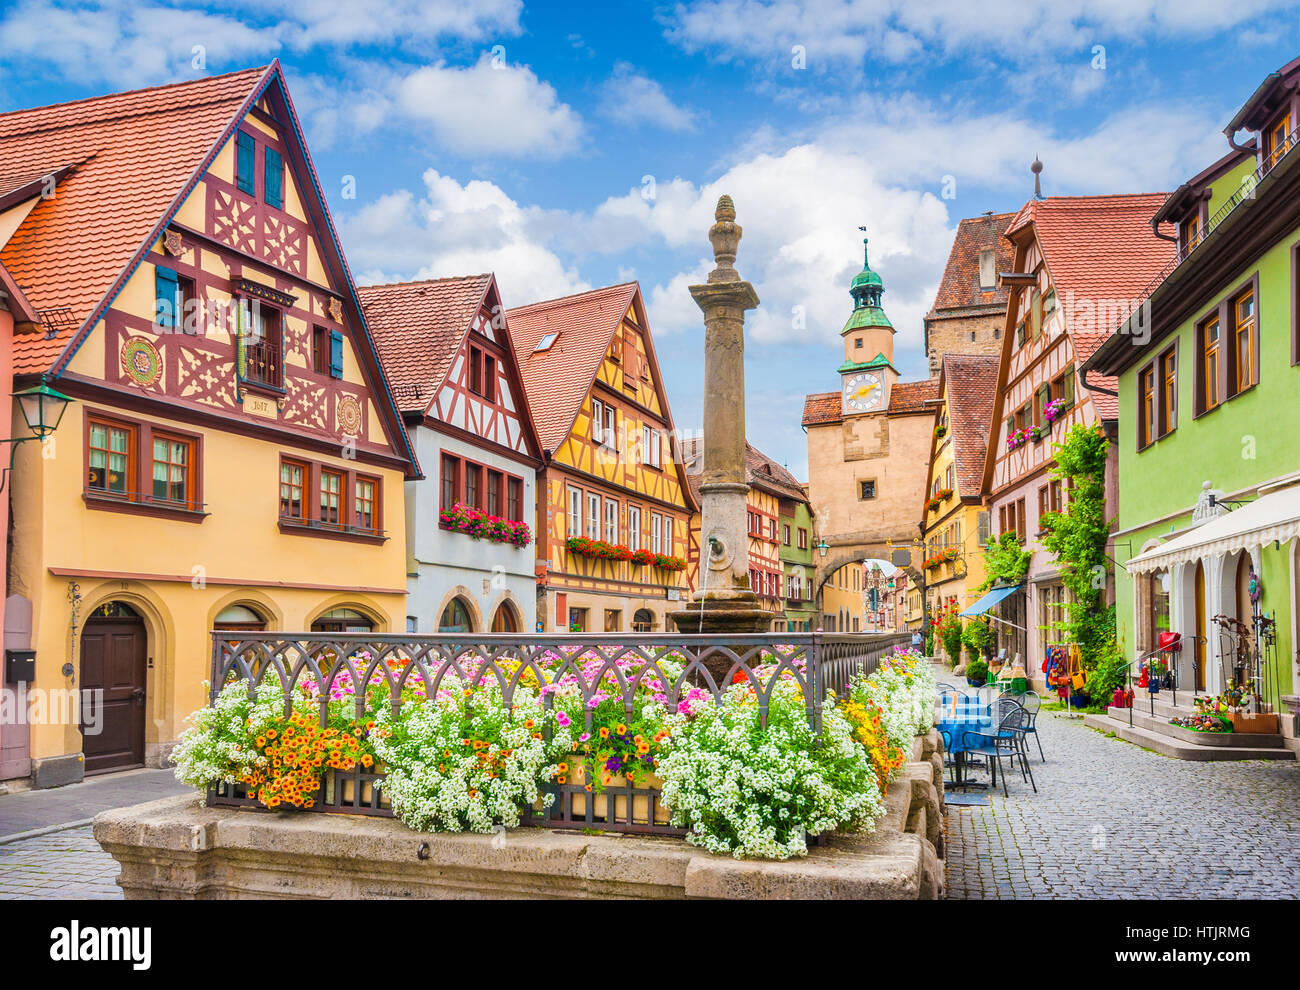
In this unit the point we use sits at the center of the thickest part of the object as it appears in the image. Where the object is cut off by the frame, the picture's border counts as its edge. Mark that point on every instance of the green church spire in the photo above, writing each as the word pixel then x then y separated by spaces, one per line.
pixel 866 290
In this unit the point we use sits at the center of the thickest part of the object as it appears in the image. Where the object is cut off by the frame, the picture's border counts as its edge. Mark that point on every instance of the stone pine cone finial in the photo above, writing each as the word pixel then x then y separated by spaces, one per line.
pixel 725 235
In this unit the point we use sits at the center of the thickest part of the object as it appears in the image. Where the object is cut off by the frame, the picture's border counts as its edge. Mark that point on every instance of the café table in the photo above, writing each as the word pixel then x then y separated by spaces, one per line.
pixel 958 715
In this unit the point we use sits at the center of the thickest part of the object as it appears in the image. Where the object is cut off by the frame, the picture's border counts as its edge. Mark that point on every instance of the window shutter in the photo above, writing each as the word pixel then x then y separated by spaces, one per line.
pixel 244 152
pixel 1069 387
pixel 983 522
pixel 274 182
pixel 336 354
pixel 166 292
pixel 1011 426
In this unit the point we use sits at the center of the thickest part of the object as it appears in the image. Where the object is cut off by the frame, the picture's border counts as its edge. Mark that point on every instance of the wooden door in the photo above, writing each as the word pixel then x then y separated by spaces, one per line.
pixel 113 662
pixel 1200 627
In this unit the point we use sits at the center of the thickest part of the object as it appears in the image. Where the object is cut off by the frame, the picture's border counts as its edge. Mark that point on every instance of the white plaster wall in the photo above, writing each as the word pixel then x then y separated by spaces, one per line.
pixel 446 561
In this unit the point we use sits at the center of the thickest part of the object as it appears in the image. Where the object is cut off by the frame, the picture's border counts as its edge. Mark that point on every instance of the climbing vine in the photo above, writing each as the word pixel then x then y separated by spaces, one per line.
pixel 1005 561
pixel 1077 539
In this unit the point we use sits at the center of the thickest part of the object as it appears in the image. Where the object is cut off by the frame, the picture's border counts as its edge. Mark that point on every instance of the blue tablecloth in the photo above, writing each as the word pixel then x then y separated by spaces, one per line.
pixel 970 714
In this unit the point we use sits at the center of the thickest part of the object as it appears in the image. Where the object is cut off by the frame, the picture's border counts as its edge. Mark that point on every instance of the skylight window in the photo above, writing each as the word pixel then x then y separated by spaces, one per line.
pixel 546 342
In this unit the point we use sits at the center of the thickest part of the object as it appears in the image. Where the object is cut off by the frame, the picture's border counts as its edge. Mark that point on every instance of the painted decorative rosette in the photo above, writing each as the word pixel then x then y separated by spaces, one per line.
pixel 141 362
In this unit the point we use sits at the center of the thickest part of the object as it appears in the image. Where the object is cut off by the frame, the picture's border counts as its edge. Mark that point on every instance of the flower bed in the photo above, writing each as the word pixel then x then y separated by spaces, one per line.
pixel 618 735
pixel 480 525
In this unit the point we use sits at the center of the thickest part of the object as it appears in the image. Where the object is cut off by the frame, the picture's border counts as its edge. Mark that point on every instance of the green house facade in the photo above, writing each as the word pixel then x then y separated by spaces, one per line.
pixel 1208 374
pixel 798 565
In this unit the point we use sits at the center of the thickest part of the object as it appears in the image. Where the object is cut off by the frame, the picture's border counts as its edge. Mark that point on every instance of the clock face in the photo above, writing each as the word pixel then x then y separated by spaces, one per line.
pixel 864 392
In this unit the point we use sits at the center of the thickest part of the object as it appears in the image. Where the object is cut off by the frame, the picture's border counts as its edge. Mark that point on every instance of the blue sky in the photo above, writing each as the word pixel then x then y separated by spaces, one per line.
pixel 569 146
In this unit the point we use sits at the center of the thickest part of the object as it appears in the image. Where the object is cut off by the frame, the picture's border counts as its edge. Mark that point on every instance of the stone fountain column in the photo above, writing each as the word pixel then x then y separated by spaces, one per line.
pixel 724 602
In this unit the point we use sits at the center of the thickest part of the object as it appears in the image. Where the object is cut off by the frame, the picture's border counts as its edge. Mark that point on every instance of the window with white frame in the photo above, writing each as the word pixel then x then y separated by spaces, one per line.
pixel 597 420
pixel 634 528
pixel 651 447
pixel 575 512
pixel 656 546
pixel 593 516
pixel 611 520
pixel 668 535
pixel 610 427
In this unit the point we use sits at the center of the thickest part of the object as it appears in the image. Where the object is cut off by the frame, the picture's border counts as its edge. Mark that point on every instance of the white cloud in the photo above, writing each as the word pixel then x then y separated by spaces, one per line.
pixel 632 98
pixel 456 229
pixel 898 30
pixel 489 107
pixel 127 43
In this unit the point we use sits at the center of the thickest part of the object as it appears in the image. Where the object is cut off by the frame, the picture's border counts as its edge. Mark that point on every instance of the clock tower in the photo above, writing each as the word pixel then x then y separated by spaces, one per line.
pixel 867 374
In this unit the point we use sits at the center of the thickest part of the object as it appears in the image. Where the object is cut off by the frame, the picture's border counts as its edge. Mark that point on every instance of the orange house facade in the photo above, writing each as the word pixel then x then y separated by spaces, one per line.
pixel 613 505
pixel 232 458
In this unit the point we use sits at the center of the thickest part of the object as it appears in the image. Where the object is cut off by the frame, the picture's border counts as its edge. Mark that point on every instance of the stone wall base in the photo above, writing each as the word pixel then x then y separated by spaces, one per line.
pixel 55 771
pixel 178 848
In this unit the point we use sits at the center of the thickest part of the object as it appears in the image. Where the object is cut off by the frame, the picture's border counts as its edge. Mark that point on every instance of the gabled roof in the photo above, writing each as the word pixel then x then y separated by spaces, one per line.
pixel 760 471
pixel 960 288
pixel 822 407
pixel 559 378
pixel 1100 252
pixel 1268 99
pixel 418 328
pixel 135 157
pixel 134 153
pixel 969 382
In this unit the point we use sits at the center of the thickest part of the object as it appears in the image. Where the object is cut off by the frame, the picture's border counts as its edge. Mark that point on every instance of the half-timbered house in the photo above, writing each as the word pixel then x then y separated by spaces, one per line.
pixel 613 505
pixel 446 348
pixel 1063 303
pixel 233 457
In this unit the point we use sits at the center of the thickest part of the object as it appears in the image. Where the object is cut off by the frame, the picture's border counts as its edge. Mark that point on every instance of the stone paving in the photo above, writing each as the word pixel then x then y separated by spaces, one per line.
pixel 1112 820
pixel 57 865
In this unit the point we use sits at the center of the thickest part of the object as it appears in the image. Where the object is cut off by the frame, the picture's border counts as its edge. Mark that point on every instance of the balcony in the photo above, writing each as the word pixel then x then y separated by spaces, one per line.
pixel 263 363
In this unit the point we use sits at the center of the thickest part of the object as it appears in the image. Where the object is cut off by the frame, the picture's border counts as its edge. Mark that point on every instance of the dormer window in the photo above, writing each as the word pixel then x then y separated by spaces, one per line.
pixel 1277 140
pixel 1190 233
pixel 546 343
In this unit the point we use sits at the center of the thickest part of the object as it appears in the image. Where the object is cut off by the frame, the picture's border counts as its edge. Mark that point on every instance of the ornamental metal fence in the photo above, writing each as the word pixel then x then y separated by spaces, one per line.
pixel 819 663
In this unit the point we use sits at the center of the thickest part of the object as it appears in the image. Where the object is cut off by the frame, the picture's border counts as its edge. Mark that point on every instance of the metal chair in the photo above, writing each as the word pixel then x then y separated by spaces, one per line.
pixel 948 760
pixel 1032 703
pixel 1007 742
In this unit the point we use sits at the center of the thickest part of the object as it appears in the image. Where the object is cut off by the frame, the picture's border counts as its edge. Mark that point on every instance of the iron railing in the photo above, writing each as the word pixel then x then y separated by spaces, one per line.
pixel 820 663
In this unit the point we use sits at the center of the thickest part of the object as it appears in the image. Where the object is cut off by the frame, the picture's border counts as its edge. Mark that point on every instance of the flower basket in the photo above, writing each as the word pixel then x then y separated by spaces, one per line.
pixel 610 803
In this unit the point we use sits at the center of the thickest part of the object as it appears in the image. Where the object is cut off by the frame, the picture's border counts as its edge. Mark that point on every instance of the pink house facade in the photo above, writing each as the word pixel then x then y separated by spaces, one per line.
pixel 1063 301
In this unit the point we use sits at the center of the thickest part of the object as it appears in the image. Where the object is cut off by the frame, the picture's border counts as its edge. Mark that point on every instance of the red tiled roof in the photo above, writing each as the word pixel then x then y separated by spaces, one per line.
pixel 960 288
pixel 969 381
pixel 418 328
pixel 907 397
pixel 821 407
pixel 760 471
pixel 1101 255
pixel 134 153
pixel 558 379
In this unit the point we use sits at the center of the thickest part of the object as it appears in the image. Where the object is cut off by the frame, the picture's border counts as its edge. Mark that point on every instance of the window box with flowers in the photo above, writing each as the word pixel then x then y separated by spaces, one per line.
pixel 1018 438
pixel 668 563
pixel 480 525
pixel 941 496
pixel 597 549
pixel 940 431
pixel 942 557
pixel 1054 410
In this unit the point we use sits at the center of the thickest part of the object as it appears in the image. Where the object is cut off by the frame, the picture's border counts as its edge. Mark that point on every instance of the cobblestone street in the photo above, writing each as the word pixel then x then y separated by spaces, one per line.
pixel 1112 820
pixel 64 864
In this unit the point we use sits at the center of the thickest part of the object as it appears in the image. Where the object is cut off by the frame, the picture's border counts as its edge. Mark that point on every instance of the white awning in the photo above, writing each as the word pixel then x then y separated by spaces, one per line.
pixel 1275 515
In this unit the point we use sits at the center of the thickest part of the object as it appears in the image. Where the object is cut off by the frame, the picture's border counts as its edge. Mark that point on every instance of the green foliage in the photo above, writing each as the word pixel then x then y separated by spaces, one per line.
pixel 978 671
pixel 1005 561
pixel 950 635
pixel 1077 539
pixel 978 638
pixel 1110 668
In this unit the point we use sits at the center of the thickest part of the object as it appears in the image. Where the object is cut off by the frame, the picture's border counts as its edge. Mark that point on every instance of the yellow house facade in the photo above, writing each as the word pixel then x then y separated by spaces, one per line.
pixel 954 521
pixel 232 457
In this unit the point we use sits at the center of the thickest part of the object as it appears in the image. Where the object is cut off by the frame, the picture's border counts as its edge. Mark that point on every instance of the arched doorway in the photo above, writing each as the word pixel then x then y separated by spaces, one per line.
pixel 343 620
pixel 643 620
pixel 504 621
pixel 455 618
pixel 114 661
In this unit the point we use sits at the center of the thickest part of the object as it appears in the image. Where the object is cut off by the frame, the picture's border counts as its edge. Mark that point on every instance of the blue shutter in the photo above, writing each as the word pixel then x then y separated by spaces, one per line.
pixel 274 181
pixel 165 290
pixel 244 161
pixel 336 354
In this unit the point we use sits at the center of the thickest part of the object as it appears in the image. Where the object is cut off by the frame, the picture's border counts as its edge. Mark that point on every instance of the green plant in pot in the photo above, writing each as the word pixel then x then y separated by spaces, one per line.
pixel 977 673
pixel 950 634
pixel 978 639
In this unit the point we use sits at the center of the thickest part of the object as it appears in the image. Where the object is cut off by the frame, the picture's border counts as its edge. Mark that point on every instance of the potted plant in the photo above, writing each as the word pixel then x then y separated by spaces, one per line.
pixel 977 673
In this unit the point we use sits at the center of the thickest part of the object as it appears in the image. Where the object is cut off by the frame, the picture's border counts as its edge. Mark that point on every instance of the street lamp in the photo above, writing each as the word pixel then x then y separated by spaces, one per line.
pixel 42 408
pixel 822 547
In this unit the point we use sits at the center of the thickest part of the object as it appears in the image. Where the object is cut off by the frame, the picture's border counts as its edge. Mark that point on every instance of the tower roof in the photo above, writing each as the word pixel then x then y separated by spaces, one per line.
pixel 866 289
